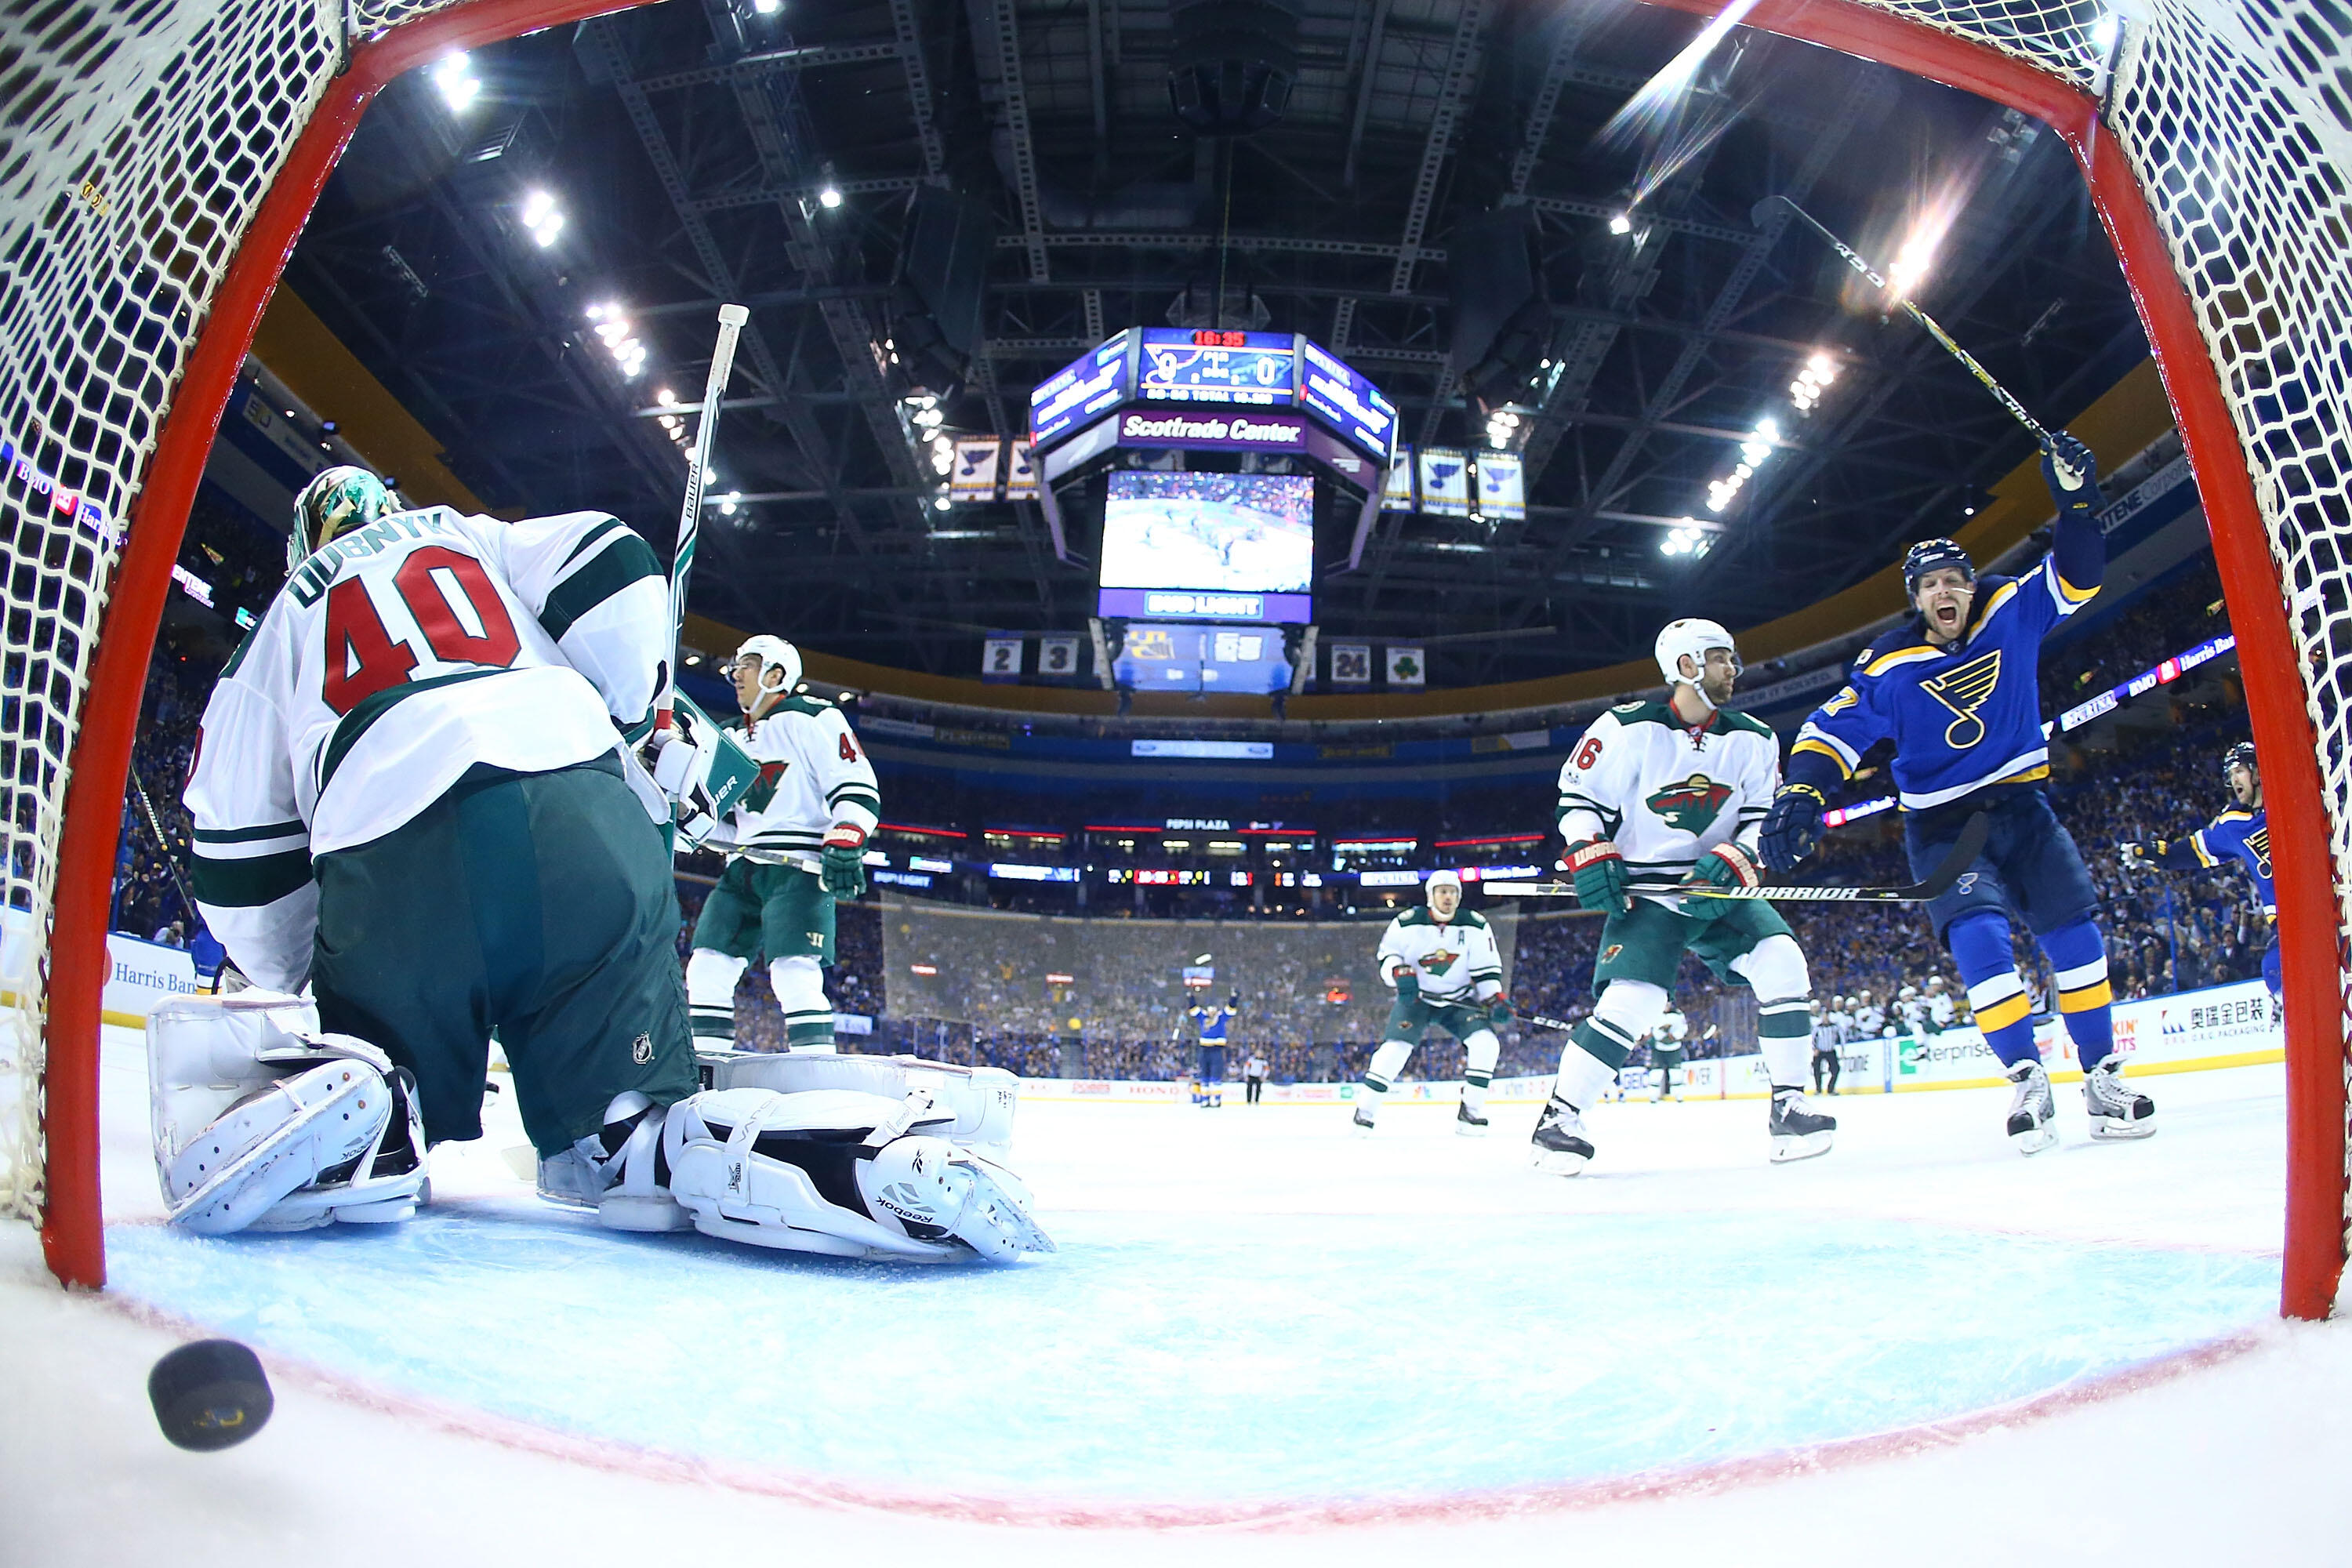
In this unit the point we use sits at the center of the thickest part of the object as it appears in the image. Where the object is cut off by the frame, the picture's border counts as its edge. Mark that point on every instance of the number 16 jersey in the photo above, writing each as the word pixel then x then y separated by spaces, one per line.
pixel 397 658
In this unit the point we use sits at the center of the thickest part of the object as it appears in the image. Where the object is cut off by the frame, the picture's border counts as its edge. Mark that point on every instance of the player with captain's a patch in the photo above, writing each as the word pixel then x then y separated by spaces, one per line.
pixel 2242 833
pixel 1654 795
pixel 1442 962
pixel 798 835
pixel 1958 691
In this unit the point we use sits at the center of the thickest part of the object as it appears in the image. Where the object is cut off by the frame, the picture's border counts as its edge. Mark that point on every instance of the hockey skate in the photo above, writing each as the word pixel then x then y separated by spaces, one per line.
pixel 1799 1132
pixel 1468 1122
pixel 1559 1147
pixel 2033 1119
pixel 2117 1111
pixel 1363 1119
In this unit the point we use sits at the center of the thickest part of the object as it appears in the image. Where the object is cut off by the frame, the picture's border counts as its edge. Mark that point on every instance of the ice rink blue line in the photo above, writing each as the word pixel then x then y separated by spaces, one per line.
pixel 1242 1358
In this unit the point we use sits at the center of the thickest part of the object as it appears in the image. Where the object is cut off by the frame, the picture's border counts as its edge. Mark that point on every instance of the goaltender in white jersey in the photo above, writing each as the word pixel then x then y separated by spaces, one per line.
pixel 1442 962
pixel 1655 795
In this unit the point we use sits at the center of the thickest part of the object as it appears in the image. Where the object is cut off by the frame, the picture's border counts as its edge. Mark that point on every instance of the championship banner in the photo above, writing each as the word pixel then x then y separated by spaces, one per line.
pixel 1445 481
pixel 1502 487
pixel 1020 474
pixel 1408 667
pixel 1057 656
pixel 1351 664
pixel 1396 491
pixel 973 478
pixel 1000 658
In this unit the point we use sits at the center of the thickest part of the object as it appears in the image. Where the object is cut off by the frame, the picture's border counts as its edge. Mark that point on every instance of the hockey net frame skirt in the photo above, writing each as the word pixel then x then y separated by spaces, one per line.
pixel 163 160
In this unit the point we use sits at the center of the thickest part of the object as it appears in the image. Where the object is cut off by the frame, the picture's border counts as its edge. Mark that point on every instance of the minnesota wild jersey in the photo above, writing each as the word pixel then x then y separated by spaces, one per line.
pixel 1455 960
pixel 1666 793
pixel 813 774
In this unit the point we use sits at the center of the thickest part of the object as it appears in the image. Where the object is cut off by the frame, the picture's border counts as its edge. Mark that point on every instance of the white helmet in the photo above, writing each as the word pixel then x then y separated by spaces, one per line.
pixel 1693 638
pixel 780 664
pixel 1445 879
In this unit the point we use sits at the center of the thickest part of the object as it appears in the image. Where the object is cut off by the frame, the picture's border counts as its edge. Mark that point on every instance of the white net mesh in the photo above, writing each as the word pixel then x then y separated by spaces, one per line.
pixel 139 138
pixel 142 135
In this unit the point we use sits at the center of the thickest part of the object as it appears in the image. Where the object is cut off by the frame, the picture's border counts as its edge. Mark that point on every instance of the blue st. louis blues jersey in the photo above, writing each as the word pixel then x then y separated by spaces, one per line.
pixel 1212 1023
pixel 1964 717
pixel 2245 835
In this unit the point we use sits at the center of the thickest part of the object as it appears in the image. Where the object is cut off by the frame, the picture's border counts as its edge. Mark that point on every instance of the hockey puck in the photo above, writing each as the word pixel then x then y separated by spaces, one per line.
pixel 210 1394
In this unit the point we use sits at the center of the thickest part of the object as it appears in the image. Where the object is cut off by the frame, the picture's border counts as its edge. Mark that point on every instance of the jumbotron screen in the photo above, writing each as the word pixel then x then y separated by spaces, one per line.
pixel 1238 537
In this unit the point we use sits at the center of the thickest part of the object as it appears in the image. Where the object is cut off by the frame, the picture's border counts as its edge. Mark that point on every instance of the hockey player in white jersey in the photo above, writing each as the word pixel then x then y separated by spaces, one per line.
pixel 413 793
pixel 1869 1017
pixel 1654 795
pixel 798 835
pixel 1442 962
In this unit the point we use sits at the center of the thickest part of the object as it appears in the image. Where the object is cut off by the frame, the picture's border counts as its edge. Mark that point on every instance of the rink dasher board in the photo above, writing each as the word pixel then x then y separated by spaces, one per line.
pixel 2195 1031
pixel 139 973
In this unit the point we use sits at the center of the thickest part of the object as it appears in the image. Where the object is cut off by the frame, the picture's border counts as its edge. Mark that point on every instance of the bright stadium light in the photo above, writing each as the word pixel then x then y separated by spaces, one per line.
pixel 1621 222
pixel 542 217
pixel 1689 539
pixel 620 338
pixel 830 197
pixel 455 76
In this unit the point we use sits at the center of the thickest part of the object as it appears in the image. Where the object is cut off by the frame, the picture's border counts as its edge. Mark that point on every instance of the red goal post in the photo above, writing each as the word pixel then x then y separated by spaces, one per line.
pixel 2208 136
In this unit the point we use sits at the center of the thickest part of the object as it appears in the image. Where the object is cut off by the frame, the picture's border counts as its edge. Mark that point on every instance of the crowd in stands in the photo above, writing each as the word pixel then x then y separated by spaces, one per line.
pixel 1308 999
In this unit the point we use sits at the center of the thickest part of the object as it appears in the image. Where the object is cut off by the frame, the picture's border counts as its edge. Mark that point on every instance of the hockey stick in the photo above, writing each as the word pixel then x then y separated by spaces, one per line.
pixel 164 844
pixel 1963 853
pixel 1757 215
pixel 689 522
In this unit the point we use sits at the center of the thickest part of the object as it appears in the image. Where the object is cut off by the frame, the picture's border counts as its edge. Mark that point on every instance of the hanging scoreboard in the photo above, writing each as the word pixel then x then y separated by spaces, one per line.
pixel 1205 368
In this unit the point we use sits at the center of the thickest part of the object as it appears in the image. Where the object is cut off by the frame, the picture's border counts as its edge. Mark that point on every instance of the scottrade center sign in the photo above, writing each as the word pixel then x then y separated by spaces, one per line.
pixel 1202 389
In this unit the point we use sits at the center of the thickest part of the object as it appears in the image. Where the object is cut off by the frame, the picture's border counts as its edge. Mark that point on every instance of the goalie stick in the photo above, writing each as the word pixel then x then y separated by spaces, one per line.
pixel 1963 853
pixel 689 522
pixel 1762 210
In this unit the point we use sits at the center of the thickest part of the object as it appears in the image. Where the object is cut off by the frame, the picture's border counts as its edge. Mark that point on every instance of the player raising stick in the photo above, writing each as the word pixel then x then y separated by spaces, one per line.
pixel 1655 795
pixel 2243 830
pixel 804 822
pixel 1440 961
pixel 1958 692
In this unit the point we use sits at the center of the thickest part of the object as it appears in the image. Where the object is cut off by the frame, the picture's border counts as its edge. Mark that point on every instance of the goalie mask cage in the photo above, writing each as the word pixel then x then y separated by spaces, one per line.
pixel 160 159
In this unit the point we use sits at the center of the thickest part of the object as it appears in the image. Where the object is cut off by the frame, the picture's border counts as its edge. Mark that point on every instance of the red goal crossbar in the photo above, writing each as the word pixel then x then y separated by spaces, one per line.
pixel 2275 698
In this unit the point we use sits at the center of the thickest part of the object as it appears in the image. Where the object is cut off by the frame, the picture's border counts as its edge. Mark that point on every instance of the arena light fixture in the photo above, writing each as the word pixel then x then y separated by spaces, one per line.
pixel 542 218
pixel 613 329
pixel 1690 540
pixel 1812 381
pixel 1752 453
pixel 1619 223
pixel 459 87
pixel 767 8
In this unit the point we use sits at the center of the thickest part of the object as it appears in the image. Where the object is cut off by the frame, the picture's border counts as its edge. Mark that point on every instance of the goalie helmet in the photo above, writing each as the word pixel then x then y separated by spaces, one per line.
pixel 337 501
pixel 780 664
pixel 1695 637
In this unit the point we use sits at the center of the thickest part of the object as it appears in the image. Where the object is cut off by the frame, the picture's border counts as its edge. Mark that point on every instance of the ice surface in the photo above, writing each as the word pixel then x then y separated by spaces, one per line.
pixel 1251 1303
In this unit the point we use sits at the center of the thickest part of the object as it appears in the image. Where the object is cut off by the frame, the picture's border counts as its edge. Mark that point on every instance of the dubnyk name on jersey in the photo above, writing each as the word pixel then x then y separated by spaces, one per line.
pixel 1452 958
pixel 813 774
pixel 1666 793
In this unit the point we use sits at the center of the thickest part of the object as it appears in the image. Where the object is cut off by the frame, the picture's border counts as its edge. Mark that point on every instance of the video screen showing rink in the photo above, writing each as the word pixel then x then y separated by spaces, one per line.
pixel 1225 532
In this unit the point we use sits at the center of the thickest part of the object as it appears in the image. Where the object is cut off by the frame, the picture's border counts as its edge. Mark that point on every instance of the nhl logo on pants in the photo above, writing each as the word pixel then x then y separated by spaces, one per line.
pixel 641 1049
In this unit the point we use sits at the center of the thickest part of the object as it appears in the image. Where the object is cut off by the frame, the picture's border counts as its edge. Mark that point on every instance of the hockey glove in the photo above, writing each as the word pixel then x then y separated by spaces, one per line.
pixel 1792 827
pixel 1498 1011
pixel 1600 872
pixel 1729 865
pixel 681 763
pixel 2072 476
pixel 844 871
pixel 1407 983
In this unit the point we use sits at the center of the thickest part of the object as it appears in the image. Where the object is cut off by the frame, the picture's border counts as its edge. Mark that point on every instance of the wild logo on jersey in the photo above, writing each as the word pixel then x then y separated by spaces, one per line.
pixel 1962 691
pixel 2259 841
pixel 1437 961
pixel 1691 805
pixel 763 788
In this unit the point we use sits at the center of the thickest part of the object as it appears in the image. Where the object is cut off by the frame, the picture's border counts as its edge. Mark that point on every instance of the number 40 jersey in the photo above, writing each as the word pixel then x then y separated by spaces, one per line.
pixel 397 658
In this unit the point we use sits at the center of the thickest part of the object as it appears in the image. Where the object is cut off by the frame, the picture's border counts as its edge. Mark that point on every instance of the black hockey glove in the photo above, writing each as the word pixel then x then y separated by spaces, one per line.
pixel 1600 872
pixel 844 870
pixel 2072 476
pixel 1792 827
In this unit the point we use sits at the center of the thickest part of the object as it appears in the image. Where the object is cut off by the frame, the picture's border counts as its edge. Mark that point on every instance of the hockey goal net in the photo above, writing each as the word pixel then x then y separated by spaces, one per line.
pixel 160 161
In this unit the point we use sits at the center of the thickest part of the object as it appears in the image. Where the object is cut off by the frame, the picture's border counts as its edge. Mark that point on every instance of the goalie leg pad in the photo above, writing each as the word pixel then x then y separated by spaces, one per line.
pixel 787 1171
pixel 983 1101
pixel 619 1173
pixel 261 1122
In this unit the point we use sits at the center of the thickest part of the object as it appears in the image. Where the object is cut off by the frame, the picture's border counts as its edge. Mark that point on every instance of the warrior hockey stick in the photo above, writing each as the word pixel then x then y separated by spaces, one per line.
pixel 689 522
pixel 1762 210
pixel 1962 854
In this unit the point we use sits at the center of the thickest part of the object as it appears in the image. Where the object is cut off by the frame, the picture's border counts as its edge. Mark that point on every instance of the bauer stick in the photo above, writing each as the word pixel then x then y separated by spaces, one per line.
pixel 1761 210
pixel 1963 854
pixel 689 522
